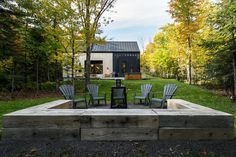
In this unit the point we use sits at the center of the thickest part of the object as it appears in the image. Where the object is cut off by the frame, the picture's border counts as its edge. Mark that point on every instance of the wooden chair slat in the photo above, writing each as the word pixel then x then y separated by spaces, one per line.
pixel 168 93
pixel 69 94
pixel 145 91
pixel 94 93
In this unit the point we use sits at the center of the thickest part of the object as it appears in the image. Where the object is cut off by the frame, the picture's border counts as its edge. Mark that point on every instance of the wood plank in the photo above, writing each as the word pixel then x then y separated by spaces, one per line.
pixel 173 103
pixel 179 102
pixel 68 105
pixel 41 122
pixel 201 121
pixel 120 122
pixel 186 112
pixel 41 107
pixel 40 133
pixel 118 134
pixel 119 112
pixel 195 133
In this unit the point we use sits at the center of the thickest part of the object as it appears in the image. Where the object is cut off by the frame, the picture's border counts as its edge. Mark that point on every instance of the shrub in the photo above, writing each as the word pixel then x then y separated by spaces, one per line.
pixel 48 86
pixel 31 86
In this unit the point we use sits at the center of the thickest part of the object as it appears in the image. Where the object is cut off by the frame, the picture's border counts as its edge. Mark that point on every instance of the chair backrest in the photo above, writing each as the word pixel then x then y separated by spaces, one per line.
pixel 93 89
pixel 146 89
pixel 118 92
pixel 67 91
pixel 169 91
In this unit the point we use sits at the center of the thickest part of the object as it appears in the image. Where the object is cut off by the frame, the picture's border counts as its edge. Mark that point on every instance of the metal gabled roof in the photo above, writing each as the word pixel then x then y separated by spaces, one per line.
pixel 117 46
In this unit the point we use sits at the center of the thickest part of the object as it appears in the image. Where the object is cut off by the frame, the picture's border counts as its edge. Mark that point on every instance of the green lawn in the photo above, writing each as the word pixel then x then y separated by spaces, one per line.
pixel 187 92
pixel 10 106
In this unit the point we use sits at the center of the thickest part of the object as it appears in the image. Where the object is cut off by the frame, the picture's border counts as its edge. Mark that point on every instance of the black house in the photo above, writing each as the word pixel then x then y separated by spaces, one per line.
pixel 116 58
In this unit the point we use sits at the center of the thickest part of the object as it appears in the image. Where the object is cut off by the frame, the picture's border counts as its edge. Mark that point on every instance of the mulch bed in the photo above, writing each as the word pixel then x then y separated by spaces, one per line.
pixel 118 149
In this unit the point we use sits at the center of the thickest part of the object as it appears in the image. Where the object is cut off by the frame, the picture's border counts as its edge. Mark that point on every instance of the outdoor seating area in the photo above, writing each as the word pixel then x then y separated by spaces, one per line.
pixel 119 96
pixel 180 121
pixel 127 73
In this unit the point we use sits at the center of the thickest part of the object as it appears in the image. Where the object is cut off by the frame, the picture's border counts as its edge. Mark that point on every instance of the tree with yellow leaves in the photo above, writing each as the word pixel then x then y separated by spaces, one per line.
pixel 188 19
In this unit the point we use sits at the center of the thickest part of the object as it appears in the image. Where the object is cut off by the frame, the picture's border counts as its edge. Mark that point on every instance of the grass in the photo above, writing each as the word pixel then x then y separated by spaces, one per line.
pixel 11 106
pixel 187 92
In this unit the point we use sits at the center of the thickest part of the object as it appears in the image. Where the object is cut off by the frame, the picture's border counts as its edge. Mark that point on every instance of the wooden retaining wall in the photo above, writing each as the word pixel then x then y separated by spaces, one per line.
pixel 182 120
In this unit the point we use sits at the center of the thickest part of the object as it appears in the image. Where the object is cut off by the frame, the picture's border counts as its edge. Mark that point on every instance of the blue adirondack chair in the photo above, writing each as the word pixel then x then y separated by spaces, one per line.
pixel 69 94
pixel 168 93
pixel 145 91
pixel 94 94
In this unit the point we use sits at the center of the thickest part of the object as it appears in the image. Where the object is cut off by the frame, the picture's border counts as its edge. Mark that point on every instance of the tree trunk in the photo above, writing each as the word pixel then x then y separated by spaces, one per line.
pixel 58 68
pixel 25 57
pixel 87 67
pixel 189 66
pixel 88 44
pixel 234 64
pixel 25 68
pixel 13 79
pixel 234 69
pixel 73 64
pixel 57 71
pixel 48 73
pixel 37 74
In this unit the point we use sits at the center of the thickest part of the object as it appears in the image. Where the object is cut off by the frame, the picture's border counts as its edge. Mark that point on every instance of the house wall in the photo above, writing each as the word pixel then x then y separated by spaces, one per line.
pixel 132 61
pixel 107 59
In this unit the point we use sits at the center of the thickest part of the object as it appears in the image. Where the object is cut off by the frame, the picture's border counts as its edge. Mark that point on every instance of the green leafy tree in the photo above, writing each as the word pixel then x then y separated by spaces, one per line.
pixel 65 27
pixel 222 45
pixel 187 14
pixel 10 49
pixel 170 56
pixel 47 20
pixel 74 23
pixel 91 12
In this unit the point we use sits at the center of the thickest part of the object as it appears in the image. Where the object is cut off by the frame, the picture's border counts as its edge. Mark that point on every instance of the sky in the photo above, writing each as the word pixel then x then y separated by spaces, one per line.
pixel 137 20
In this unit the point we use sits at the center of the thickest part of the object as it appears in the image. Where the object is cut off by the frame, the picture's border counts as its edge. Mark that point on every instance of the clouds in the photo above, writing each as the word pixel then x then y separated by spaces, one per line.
pixel 137 19
pixel 139 13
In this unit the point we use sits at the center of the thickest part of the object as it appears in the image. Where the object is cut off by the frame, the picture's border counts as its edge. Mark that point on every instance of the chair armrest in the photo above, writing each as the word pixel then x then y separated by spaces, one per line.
pixel 170 94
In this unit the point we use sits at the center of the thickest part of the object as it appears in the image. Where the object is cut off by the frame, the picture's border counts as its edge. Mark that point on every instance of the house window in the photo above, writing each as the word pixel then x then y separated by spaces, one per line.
pixel 96 67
